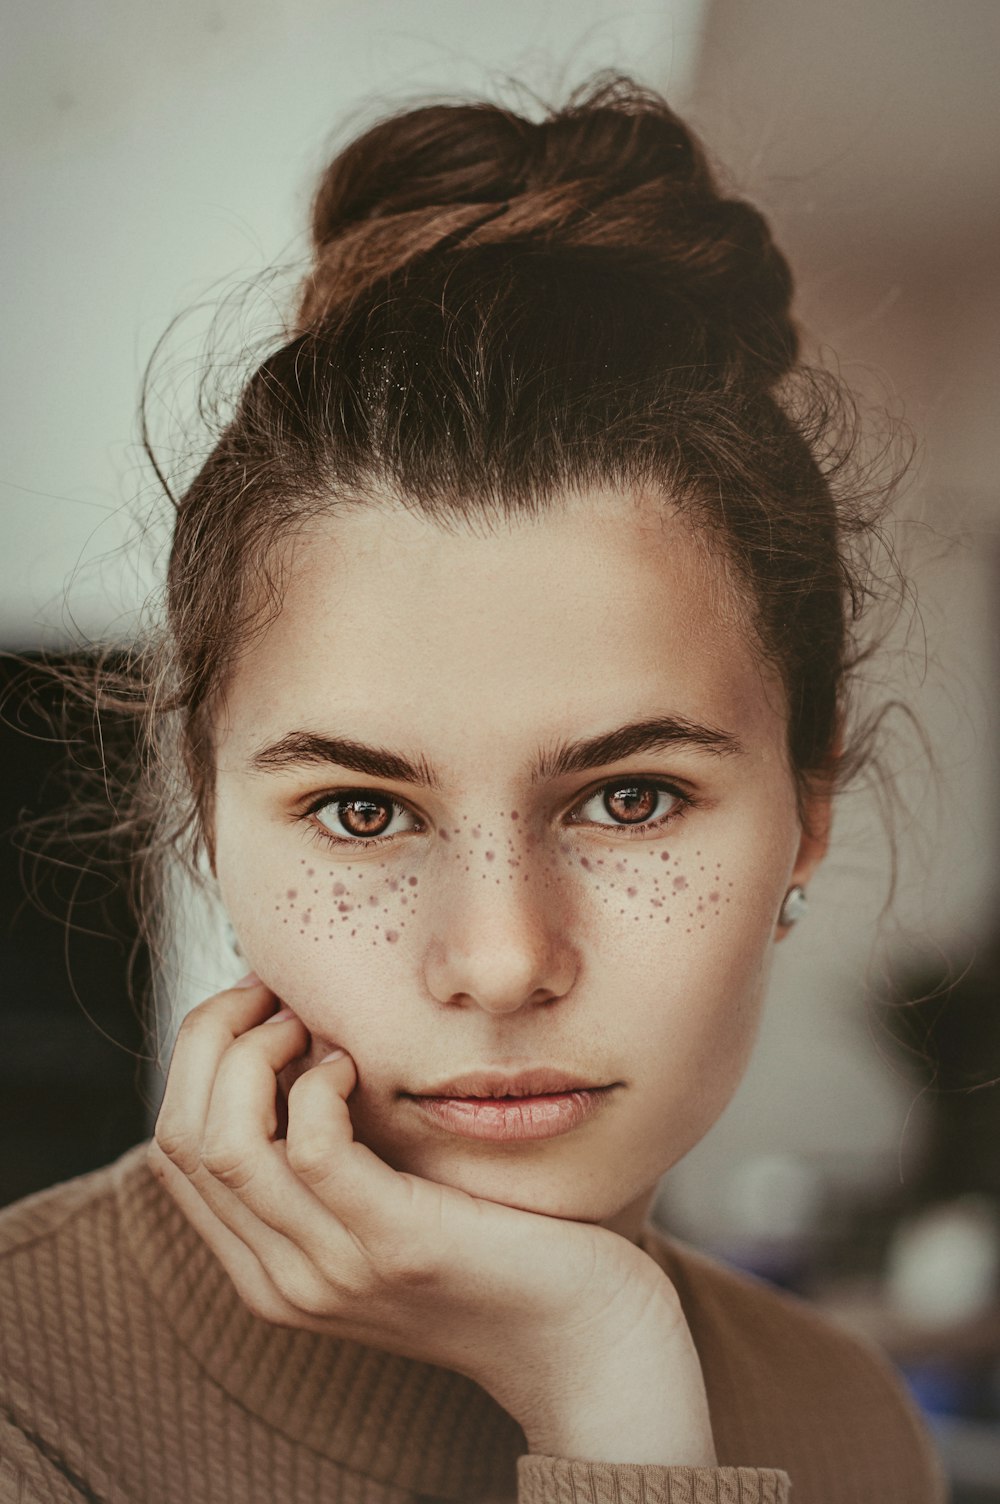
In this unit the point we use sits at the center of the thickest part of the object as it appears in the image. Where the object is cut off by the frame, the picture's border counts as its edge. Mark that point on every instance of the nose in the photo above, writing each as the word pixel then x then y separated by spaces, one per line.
pixel 499 946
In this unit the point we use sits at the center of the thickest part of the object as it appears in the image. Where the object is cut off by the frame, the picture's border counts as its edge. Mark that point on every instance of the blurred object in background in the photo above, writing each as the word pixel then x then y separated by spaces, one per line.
pixel 72 1063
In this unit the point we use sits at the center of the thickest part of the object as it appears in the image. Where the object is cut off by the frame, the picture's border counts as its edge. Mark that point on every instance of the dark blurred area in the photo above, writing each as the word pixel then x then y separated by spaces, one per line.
pixel 71 1069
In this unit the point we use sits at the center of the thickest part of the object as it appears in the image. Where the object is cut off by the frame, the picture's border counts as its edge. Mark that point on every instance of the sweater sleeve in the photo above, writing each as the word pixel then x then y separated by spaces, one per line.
pixel 568 1480
pixel 29 1476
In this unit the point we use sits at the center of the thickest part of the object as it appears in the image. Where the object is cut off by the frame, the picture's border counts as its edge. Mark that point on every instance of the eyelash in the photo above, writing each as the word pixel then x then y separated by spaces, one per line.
pixel 322 833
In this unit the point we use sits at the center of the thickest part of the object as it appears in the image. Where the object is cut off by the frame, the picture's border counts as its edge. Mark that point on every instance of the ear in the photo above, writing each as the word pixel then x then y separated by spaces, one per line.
pixel 814 838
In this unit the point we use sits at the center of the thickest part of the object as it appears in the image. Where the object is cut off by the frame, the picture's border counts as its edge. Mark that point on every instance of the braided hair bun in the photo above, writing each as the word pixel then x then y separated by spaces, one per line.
pixel 613 173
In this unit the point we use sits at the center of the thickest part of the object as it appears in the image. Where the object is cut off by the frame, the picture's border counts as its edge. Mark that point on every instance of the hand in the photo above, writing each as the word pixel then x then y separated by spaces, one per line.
pixel 317 1232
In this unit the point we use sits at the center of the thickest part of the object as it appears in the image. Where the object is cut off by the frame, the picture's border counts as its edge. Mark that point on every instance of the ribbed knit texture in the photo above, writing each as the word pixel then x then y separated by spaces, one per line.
pixel 132 1373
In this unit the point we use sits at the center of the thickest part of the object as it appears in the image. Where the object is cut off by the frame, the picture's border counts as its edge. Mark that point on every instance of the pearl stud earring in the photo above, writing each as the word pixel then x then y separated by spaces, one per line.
pixel 795 906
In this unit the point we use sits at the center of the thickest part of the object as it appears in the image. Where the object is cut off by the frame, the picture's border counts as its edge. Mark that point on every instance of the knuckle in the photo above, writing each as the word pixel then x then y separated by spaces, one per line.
pixel 175 1144
pixel 304 1291
pixel 411 1262
pixel 309 1156
pixel 227 1163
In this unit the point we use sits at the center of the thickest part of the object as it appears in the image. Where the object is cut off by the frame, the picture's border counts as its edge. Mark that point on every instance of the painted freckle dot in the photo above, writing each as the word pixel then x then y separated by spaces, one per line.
pixel 345 908
pixel 392 936
pixel 713 898
pixel 490 855
pixel 310 872
pixel 664 856
pixel 585 863
pixel 338 890
pixel 514 815
pixel 445 836
pixel 680 883
pixel 631 892
pixel 292 893
pixel 477 833
pixel 412 881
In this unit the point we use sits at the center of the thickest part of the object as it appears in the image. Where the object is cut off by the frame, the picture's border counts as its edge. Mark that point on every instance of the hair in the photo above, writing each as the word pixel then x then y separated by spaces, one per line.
pixel 501 311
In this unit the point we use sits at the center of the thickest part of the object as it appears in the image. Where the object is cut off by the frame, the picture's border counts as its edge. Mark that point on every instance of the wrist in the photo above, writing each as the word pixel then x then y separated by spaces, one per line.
pixel 638 1398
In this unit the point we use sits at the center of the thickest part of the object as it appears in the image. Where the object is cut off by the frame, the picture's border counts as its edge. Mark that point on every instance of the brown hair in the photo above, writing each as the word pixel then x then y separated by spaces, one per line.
pixel 501 310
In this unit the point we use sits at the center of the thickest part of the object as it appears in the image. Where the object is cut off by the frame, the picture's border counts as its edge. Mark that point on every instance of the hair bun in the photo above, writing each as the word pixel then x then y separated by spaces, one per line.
pixel 615 168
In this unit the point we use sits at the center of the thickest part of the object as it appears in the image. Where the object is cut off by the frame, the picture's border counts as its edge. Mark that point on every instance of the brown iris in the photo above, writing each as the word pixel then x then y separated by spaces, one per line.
pixel 638 801
pixel 373 815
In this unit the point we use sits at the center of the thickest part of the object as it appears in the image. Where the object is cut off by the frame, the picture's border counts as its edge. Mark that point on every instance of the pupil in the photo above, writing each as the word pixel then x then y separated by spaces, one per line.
pixel 640 801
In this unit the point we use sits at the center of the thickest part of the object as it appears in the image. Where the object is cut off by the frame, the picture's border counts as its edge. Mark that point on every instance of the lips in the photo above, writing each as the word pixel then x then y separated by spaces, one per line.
pixel 536 1081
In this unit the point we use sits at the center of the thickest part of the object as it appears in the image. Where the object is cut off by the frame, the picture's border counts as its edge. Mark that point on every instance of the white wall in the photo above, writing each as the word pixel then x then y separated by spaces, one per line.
pixel 151 151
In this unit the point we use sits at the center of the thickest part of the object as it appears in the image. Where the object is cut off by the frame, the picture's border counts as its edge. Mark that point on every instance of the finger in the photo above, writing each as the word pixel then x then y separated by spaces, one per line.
pixel 243 1169
pixel 245 1265
pixel 369 1197
pixel 204 1035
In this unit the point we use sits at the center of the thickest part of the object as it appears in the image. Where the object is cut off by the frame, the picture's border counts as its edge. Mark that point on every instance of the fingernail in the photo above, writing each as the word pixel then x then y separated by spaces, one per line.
pixel 250 980
pixel 333 1055
pixel 280 1016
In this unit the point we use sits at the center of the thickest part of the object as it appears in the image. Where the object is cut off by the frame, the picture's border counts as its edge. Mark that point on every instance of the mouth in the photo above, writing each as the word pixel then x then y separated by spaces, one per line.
pixel 518 1116
pixel 533 1081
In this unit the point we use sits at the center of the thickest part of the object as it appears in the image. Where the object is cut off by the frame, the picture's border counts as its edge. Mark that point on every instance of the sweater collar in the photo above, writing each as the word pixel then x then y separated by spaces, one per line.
pixel 400 1422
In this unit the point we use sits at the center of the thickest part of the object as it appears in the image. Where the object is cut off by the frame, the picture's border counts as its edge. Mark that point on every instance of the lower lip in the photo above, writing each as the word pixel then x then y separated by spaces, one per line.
pixel 514 1117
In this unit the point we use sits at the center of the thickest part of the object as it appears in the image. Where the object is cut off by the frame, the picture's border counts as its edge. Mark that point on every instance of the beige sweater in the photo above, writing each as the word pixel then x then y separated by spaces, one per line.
pixel 132 1373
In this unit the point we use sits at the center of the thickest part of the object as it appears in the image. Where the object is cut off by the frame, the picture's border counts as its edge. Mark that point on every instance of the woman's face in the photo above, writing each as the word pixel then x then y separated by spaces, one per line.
pixel 497 873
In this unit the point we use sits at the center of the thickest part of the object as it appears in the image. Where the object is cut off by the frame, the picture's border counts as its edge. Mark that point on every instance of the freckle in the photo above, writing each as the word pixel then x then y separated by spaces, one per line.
pixel 373 898
pixel 621 866
pixel 392 936
pixel 306 916
pixel 477 833
pixel 311 872
pixel 664 856
pixel 631 892
pixel 292 893
pixel 585 863
pixel 412 881
pixel 490 855
pixel 338 889
pixel 680 883
pixel 344 908
pixel 657 903
pixel 514 815
pixel 354 932
pixel 445 836
pixel 713 898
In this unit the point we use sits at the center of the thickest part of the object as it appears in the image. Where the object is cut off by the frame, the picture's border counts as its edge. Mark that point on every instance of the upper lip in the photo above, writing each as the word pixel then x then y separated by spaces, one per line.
pixel 534 1082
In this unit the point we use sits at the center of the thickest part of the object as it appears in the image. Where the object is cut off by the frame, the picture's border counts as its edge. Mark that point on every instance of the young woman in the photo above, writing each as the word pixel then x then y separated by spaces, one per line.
pixel 503 689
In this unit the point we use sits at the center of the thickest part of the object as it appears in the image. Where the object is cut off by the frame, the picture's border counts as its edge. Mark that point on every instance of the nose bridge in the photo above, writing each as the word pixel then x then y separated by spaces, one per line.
pixel 500 935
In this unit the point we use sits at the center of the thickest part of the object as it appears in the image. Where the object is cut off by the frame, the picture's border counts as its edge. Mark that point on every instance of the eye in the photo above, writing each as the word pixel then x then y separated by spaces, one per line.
pixel 355 817
pixel 636 805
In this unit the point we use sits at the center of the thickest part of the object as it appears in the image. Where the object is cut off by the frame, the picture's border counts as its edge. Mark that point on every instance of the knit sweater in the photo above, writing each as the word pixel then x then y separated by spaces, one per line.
pixel 132 1373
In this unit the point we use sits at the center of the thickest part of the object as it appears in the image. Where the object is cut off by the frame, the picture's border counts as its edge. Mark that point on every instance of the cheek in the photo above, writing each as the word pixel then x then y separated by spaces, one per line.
pixel 330 941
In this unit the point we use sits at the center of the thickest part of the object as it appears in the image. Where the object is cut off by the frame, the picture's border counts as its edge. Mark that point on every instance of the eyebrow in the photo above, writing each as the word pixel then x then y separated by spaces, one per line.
pixel 301 749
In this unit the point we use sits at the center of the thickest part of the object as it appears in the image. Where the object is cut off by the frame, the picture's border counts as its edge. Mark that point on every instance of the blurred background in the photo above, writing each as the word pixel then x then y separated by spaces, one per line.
pixel 155 157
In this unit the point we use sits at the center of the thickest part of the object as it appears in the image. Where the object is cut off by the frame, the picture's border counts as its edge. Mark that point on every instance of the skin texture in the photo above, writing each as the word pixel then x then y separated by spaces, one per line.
pixel 508 923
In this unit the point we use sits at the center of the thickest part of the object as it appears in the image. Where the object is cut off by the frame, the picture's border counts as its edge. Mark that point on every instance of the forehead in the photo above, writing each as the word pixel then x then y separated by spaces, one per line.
pixel 463 633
